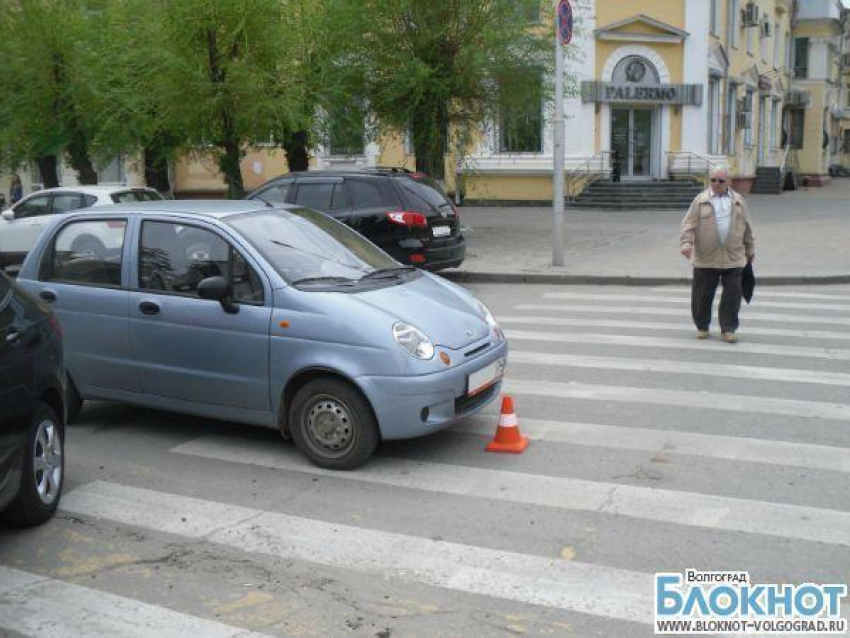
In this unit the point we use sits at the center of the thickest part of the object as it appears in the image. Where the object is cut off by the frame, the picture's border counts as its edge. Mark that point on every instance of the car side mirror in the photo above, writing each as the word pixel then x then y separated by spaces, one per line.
pixel 217 289
pixel 8 215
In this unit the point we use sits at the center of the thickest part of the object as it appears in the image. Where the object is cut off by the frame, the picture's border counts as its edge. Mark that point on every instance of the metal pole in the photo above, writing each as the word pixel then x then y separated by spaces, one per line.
pixel 558 174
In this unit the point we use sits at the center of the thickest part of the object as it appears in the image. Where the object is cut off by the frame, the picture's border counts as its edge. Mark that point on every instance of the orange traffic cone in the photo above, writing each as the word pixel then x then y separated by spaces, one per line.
pixel 508 438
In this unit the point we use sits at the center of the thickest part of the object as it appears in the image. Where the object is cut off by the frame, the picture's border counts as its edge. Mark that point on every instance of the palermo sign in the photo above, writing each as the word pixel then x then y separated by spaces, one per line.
pixel 652 94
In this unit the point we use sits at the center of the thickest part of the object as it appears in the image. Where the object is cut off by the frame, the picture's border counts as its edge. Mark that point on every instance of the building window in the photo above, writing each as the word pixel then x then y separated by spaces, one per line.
pixel 111 172
pixel 797 119
pixel 346 131
pixel 714 116
pixel 748 109
pixel 521 121
pixel 801 57
pixel 750 38
pixel 845 147
pixel 774 122
pixel 715 17
pixel 731 114
pixel 733 23
pixel 528 10
pixel 764 29
pixel 777 48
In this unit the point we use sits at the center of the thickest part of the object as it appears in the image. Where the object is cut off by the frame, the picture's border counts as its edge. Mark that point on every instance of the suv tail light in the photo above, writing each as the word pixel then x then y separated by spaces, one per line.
pixel 407 218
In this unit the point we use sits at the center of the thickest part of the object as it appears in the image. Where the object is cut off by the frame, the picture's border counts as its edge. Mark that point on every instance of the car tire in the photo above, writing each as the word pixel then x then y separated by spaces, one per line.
pixel 73 401
pixel 88 245
pixel 40 489
pixel 333 424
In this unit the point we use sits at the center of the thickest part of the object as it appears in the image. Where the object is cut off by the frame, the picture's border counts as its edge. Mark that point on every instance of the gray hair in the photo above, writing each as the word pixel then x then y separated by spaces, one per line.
pixel 719 171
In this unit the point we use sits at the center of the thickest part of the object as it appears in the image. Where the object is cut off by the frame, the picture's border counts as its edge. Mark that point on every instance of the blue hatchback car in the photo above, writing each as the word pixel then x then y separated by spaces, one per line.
pixel 275 316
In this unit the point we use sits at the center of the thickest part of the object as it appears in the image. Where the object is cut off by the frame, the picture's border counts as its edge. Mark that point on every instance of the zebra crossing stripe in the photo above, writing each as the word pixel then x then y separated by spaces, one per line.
pixel 779 294
pixel 667 506
pixel 681 398
pixel 553 582
pixel 835 354
pixel 664 325
pixel 733 448
pixel 748 315
pixel 751 373
pixel 40 606
pixel 585 296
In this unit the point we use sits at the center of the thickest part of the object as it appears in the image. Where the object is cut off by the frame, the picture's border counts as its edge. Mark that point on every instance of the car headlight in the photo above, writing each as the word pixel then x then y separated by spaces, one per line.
pixel 413 340
pixel 491 321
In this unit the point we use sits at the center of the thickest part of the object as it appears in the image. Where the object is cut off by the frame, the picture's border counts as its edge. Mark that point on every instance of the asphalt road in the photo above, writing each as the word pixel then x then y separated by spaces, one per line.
pixel 650 451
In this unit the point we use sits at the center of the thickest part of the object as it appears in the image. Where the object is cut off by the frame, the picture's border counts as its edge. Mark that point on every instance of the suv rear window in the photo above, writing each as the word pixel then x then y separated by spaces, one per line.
pixel 422 194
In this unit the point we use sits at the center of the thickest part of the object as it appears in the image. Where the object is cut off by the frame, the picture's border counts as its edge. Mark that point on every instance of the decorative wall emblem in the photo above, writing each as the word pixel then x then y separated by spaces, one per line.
pixel 635 71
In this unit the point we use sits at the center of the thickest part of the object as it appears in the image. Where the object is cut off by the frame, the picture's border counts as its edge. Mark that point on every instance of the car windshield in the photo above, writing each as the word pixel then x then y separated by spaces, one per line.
pixel 307 247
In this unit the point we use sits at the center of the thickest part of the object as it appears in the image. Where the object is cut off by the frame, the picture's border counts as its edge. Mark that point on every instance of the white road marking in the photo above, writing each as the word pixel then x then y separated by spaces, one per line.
pixel 668 506
pixel 586 296
pixel 634 341
pixel 733 448
pixel 778 294
pixel 40 606
pixel 553 582
pixel 751 373
pixel 684 313
pixel 687 399
pixel 683 326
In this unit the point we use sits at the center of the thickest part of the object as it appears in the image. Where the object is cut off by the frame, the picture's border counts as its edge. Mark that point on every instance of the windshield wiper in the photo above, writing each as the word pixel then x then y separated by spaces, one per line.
pixel 309 252
pixel 381 273
pixel 329 280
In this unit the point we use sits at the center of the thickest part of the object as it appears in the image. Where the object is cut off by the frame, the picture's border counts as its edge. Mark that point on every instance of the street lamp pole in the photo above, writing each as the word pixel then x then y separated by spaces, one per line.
pixel 558 150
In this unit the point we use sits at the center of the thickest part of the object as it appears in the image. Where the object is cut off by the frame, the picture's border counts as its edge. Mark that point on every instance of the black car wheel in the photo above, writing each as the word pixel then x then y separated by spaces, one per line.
pixel 333 425
pixel 43 471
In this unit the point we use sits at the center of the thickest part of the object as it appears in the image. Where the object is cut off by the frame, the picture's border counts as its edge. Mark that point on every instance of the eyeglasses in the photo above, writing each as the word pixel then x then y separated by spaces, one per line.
pixel 714 180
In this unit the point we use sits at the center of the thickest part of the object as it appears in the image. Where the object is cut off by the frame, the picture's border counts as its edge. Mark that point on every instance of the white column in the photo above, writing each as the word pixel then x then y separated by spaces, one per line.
pixel 695 118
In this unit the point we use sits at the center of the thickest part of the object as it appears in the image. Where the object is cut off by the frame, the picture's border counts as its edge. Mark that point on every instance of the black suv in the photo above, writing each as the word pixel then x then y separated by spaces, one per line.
pixel 404 213
pixel 32 408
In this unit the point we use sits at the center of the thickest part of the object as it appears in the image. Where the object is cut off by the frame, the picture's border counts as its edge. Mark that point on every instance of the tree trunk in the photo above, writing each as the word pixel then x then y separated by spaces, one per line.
pixel 78 153
pixel 430 139
pixel 295 145
pixel 47 166
pixel 229 164
pixel 156 169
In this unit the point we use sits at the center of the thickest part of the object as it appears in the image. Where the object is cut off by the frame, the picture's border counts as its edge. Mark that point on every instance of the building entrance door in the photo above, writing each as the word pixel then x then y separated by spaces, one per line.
pixel 631 141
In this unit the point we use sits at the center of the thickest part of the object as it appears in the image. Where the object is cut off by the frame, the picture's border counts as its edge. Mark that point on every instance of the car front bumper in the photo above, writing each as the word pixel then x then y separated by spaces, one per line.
pixel 411 406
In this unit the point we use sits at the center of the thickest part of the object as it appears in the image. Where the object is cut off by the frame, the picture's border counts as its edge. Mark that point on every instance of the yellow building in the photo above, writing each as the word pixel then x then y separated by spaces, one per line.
pixel 663 89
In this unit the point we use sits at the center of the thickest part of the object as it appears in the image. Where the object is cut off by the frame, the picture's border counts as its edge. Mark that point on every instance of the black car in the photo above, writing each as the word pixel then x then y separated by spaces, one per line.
pixel 404 213
pixel 32 408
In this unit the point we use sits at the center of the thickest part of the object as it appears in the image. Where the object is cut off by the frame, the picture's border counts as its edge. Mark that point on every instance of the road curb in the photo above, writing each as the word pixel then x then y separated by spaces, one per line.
pixel 473 277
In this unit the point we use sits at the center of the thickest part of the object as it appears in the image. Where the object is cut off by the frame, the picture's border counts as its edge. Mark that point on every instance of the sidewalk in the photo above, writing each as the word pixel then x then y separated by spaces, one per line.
pixel 801 237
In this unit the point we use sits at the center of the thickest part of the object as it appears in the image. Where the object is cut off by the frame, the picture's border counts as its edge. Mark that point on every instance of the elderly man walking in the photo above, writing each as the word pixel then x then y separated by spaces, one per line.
pixel 717 235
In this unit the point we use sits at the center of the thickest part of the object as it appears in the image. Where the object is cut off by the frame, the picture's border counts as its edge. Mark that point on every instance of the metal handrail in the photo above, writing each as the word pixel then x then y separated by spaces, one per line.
pixel 707 167
pixel 585 169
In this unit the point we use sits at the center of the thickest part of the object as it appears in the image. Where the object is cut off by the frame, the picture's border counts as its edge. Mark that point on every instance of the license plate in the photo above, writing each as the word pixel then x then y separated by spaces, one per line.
pixel 441 231
pixel 482 379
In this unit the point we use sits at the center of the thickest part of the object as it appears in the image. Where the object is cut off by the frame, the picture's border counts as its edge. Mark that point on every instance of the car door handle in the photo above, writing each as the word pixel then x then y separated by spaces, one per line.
pixel 149 308
pixel 48 295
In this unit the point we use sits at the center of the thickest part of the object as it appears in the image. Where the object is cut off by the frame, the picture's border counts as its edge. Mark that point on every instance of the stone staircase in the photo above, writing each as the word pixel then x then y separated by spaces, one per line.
pixel 768 181
pixel 628 196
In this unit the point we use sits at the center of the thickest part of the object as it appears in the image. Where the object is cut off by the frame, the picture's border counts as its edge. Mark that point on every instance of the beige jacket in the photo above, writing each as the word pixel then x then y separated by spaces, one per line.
pixel 699 231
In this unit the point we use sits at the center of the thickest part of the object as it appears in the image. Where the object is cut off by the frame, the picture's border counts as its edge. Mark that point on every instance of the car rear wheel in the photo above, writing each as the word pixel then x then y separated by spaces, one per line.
pixel 332 424
pixel 43 471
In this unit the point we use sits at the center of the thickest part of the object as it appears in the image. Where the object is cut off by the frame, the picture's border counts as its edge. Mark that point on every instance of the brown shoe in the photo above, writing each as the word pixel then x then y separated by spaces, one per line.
pixel 702 334
pixel 730 337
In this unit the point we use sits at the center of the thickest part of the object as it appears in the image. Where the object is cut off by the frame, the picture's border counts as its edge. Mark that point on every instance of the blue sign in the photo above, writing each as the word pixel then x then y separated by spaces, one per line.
pixel 565 21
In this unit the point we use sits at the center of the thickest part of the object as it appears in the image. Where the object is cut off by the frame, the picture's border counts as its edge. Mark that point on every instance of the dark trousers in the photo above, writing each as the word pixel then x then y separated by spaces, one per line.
pixel 702 296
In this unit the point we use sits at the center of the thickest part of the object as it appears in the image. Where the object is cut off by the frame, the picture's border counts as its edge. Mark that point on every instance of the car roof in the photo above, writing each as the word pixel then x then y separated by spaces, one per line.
pixel 218 208
pixel 96 189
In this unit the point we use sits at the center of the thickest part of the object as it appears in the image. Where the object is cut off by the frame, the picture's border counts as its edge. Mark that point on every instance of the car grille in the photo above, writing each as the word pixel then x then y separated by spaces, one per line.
pixel 467 403
pixel 475 351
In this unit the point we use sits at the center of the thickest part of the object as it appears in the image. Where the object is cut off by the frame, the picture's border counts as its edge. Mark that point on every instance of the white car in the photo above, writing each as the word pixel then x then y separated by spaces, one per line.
pixel 21 224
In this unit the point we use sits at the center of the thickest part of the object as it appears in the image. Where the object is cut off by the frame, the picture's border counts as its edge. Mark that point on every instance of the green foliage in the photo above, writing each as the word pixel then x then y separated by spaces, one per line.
pixel 441 66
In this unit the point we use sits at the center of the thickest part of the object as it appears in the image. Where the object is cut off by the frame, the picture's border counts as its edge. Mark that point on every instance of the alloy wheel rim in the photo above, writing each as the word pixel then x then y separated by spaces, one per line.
pixel 47 462
pixel 331 429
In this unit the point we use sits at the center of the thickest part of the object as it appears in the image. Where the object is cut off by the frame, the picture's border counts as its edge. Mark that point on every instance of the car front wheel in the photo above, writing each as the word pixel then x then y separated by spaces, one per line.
pixel 333 425
pixel 43 471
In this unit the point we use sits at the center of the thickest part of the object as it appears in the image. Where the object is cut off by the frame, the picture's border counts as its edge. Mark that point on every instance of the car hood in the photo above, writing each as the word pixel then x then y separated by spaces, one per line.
pixel 446 313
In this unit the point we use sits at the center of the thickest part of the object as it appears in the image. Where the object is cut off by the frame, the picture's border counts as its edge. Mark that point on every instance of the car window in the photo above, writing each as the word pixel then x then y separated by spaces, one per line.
pixel 422 195
pixel 127 197
pixel 316 195
pixel 276 193
pixel 176 258
pixel 366 194
pixel 87 252
pixel 63 202
pixel 89 200
pixel 33 207
pixel 149 196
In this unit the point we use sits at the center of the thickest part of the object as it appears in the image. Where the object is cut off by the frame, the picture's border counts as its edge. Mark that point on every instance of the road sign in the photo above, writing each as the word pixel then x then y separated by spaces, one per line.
pixel 565 21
